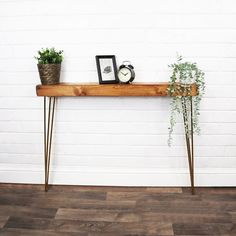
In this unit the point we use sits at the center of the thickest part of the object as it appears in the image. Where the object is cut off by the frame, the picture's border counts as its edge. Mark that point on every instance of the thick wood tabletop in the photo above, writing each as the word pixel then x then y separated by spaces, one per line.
pixel 110 90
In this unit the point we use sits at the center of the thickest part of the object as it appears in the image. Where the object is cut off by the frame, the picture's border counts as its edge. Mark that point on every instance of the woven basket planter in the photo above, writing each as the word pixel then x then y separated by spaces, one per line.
pixel 49 73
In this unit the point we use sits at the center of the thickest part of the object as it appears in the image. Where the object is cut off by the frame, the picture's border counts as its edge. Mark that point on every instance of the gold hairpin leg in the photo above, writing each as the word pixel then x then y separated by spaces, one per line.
pixel 188 127
pixel 48 128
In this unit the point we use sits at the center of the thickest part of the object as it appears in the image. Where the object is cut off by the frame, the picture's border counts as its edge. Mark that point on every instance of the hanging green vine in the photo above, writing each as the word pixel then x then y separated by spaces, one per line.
pixel 184 74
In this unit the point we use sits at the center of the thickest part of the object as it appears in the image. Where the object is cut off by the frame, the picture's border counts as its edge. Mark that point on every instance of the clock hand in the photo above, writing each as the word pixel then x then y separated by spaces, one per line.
pixel 122 73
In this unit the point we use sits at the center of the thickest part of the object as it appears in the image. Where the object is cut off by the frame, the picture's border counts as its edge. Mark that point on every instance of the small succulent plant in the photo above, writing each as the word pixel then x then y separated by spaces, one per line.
pixel 49 56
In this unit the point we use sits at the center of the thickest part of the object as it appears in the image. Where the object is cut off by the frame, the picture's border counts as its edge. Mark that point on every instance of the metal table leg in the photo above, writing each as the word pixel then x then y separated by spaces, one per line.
pixel 48 128
pixel 187 105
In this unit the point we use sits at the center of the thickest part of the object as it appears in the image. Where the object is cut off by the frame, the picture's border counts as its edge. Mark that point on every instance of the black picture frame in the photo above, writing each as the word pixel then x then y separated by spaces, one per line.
pixel 107 69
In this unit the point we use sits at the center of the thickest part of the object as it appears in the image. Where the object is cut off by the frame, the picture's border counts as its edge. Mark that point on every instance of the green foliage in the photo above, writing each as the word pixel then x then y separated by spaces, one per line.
pixel 49 56
pixel 184 74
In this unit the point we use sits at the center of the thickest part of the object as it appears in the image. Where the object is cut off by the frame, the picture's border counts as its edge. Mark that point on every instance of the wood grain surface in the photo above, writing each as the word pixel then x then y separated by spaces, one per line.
pixel 112 90
pixel 115 211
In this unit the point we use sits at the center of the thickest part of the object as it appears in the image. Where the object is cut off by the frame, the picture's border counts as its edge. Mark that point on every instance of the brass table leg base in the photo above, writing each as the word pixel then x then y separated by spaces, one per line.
pixel 48 128
pixel 187 106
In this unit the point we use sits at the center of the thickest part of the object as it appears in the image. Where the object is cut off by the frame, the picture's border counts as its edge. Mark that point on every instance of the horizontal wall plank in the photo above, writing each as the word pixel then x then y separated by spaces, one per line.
pixel 158 75
pixel 87 63
pixel 163 104
pixel 113 127
pixel 157 177
pixel 89 7
pixel 165 50
pixel 115 139
pixel 124 161
pixel 181 21
pixel 114 36
pixel 120 150
pixel 113 116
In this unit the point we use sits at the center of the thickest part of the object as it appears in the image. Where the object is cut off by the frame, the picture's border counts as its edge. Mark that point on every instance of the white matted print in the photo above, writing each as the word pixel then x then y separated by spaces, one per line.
pixel 107 70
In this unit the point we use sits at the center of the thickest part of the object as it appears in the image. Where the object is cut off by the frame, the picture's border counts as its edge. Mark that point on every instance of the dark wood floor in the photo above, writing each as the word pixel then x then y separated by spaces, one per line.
pixel 26 210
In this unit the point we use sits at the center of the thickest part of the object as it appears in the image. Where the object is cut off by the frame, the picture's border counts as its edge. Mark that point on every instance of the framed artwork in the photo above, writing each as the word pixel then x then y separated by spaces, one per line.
pixel 107 69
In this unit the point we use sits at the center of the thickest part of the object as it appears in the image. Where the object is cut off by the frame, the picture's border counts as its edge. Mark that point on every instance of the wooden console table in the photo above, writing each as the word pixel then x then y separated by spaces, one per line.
pixel 108 90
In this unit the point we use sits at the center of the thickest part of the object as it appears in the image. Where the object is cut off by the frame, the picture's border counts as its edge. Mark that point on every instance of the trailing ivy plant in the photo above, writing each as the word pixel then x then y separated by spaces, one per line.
pixel 49 56
pixel 184 74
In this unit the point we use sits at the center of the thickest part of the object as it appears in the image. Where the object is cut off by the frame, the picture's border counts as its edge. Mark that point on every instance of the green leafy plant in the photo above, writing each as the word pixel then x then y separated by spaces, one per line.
pixel 183 75
pixel 49 56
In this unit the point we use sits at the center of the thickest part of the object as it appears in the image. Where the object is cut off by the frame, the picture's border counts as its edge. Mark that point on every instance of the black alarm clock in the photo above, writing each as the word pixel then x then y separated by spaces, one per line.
pixel 126 73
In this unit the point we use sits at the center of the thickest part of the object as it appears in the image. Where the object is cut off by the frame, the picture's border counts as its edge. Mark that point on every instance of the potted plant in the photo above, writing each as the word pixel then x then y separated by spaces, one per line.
pixel 49 65
pixel 183 75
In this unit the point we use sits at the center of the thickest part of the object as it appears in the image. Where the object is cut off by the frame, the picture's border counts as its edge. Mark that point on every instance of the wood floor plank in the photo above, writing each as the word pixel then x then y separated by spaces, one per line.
pixel 92 195
pixel 60 188
pixel 28 223
pixel 204 229
pixel 201 206
pixel 186 218
pixel 3 220
pixel 212 190
pixel 132 228
pixel 219 197
pixel 86 214
pixel 229 206
pixel 97 215
pixel 6 186
pixel 120 234
pixel 61 201
pixel 69 188
pixel 25 211
pixel 233 216
pixel 28 232
pixel 164 190
pixel 112 234
pixel 150 228
pixel 118 196
pixel 181 207
pixel 13 199
pixel 78 226
pixel 128 217
pixel 73 226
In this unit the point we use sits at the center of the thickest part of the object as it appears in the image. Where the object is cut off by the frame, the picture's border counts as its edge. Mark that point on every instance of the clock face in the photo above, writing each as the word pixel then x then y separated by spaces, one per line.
pixel 124 75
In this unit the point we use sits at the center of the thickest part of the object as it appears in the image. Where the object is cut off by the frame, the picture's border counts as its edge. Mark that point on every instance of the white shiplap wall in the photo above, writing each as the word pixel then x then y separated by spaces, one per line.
pixel 117 141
